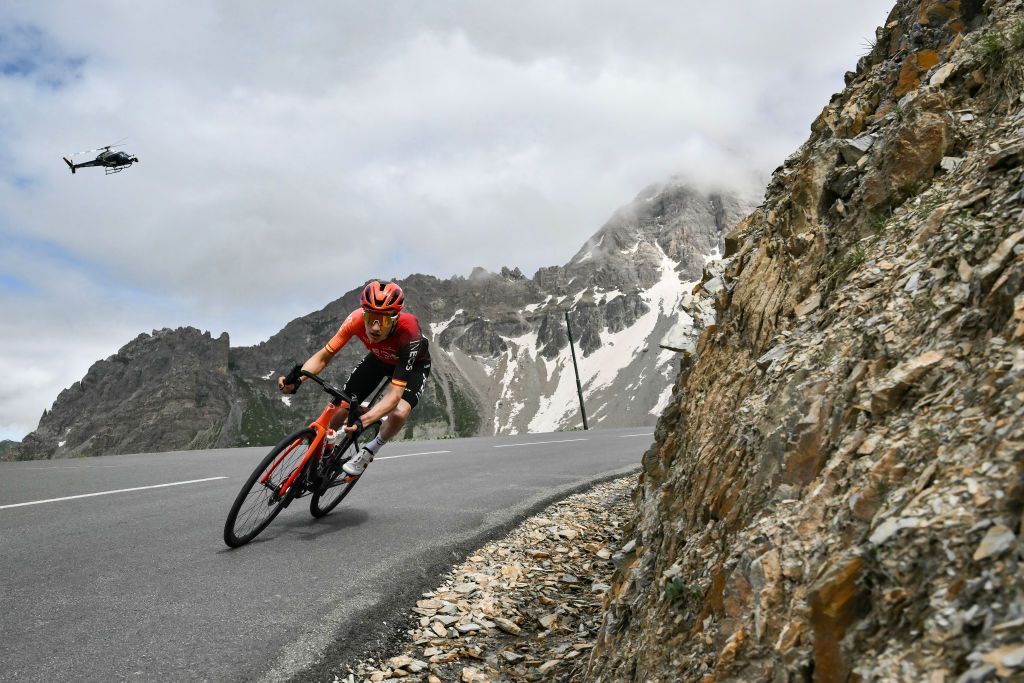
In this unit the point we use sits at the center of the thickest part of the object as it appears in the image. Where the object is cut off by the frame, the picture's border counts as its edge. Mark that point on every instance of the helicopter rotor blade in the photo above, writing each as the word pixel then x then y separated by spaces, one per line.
pixel 100 149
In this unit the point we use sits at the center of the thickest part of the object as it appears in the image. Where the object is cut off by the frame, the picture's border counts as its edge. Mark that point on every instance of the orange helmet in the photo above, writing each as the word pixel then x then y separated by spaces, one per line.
pixel 380 298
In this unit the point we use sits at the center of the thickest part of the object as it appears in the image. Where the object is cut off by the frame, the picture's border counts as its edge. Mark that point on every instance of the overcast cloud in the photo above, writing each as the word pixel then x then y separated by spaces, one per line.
pixel 283 145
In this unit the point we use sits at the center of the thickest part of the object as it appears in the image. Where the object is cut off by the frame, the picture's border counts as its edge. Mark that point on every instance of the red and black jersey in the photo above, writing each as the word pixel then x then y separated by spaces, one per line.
pixel 404 348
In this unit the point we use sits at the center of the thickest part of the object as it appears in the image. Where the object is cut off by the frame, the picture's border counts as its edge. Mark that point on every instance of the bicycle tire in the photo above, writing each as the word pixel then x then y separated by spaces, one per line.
pixel 264 503
pixel 336 488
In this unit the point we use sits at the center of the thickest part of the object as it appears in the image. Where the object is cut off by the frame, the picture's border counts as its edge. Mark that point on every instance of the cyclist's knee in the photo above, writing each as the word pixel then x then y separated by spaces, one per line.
pixel 401 412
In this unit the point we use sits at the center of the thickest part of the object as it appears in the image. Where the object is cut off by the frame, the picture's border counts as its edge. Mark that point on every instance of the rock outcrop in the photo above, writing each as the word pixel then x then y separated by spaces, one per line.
pixel 836 488
pixel 171 387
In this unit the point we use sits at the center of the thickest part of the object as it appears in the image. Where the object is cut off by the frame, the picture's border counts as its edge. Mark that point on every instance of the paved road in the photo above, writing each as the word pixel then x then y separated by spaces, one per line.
pixel 138 584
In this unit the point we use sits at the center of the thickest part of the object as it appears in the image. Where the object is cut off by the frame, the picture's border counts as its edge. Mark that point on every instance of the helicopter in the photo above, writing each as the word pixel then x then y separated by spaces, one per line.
pixel 112 162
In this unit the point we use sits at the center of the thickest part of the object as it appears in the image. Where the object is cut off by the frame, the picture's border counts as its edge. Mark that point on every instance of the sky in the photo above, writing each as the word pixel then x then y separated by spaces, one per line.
pixel 288 152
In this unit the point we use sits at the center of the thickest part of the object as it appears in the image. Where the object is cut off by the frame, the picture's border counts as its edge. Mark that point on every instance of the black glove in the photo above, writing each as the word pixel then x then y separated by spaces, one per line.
pixel 292 378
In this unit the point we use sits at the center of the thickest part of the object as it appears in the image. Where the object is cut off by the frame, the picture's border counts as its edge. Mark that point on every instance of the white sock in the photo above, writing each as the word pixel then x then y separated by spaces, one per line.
pixel 374 445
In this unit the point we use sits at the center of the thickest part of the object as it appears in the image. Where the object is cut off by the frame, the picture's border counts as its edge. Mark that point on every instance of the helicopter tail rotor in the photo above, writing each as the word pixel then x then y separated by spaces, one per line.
pixel 70 165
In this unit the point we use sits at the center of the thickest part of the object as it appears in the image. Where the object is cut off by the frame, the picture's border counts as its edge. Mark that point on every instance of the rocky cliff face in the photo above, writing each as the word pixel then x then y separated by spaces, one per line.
pixel 171 388
pixel 499 345
pixel 836 487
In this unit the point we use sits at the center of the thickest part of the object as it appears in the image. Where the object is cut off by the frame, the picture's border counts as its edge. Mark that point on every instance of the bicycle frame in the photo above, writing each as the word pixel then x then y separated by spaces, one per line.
pixel 340 400
pixel 321 424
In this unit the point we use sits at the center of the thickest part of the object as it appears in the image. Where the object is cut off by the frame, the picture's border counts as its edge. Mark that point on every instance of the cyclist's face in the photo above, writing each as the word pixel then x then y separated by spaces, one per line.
pixel 378 325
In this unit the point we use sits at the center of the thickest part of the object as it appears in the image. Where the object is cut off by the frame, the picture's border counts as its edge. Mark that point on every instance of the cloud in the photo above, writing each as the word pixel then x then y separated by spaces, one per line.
pixel 282 150
pixel 27 54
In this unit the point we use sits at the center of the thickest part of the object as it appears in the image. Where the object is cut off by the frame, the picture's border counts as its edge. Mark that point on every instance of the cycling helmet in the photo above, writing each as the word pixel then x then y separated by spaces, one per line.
pixel 387 298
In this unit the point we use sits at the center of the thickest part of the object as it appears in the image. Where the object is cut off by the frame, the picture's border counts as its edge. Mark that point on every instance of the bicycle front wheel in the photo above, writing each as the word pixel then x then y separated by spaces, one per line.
pixel 337 482
pixel 261 499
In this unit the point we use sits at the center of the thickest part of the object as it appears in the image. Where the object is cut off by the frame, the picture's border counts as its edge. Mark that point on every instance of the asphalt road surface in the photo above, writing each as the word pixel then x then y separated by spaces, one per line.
pixel 114 568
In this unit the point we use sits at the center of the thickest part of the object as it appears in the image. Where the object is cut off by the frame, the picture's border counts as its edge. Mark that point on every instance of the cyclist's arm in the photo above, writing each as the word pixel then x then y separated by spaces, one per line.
pixel 319 360
pixel 315 365
pixel 387 403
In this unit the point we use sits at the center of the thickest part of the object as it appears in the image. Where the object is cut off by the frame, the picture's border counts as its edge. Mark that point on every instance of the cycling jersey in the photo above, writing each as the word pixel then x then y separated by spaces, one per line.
pixel 404 348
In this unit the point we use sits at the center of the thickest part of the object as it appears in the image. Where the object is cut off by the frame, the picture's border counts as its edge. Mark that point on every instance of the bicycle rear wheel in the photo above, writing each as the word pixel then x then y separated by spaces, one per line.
pixel 260 499
pixel 338 483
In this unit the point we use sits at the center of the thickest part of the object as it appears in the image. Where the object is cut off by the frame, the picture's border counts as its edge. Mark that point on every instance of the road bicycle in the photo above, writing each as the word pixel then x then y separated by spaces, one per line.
pixel 302 464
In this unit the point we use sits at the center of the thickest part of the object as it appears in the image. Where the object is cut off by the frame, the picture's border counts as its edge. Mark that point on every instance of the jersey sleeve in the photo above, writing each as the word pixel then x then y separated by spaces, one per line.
pixel 345 332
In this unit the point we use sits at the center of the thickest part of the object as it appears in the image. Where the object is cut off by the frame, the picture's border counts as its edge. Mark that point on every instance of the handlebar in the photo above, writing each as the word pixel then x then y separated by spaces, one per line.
pixel 338 394
pixel 292 378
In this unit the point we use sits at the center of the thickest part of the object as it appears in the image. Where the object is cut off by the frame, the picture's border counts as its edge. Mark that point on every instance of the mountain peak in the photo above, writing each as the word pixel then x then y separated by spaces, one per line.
pixel 481 273
pixel 685 224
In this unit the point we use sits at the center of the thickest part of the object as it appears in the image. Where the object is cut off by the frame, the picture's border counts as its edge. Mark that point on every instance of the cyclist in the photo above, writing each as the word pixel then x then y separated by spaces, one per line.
pixel 397 349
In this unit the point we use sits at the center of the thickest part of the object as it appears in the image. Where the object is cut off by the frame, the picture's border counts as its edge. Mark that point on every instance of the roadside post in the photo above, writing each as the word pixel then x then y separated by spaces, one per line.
pixel 579 387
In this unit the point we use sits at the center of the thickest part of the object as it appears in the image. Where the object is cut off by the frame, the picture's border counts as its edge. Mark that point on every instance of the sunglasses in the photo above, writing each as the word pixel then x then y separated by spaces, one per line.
pixel 386 321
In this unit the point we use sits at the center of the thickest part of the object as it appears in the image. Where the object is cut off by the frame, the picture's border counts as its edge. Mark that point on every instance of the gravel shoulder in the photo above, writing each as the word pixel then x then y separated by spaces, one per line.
pixel 525 607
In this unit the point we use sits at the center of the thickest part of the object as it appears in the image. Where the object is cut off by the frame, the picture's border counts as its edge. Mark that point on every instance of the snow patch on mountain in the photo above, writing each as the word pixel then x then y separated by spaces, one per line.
pixel 602 367
pixel 533 307
pixel 668 370
pixel 522 350
pixel 608 294
pixel 437 328
pixel 662 401
pixel 554 408
pixel 590 251
pixel 489 365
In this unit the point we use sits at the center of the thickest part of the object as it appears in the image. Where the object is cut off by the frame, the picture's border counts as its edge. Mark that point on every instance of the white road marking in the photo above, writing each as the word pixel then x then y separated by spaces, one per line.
pixel 107 493
pixel 626 436
pixel 407 455
pixel 537 443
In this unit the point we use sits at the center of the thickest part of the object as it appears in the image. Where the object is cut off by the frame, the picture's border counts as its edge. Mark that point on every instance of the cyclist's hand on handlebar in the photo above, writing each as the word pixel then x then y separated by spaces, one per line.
pixel 286 388
pixel 353 429
pixel 290 383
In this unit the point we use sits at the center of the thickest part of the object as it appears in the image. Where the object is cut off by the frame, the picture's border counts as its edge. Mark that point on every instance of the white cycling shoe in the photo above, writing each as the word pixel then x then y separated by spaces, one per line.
pixel 357 465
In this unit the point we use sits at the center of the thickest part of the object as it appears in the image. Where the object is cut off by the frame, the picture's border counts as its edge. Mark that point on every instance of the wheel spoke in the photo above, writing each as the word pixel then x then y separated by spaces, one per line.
pixel 341 483
pixel 260 500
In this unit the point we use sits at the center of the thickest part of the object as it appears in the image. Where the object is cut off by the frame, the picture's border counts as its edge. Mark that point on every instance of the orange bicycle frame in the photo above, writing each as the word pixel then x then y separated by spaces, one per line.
pixel 321 424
